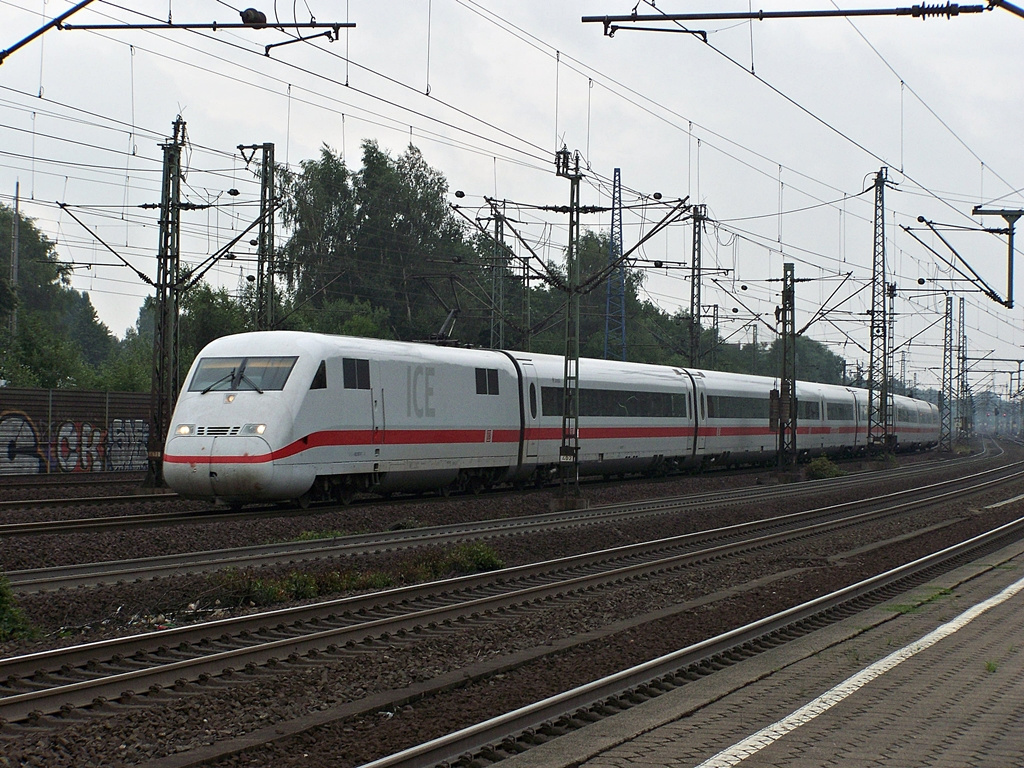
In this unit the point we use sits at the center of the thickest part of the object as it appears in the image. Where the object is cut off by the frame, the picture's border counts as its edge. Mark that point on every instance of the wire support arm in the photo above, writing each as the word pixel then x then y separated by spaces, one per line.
pixel 545 274
pixel 55 22
pixel 1014 9
pixel 987 289
pixel 332 26
pixel 922 11
pixel 677 212
pixel 141 275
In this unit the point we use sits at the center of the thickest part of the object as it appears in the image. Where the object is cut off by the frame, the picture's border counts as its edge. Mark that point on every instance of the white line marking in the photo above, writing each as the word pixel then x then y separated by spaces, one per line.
pixel 767 736
pixel 1004 503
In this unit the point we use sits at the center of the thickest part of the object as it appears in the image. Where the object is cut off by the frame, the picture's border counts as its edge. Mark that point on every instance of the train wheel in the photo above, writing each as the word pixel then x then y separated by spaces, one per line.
pixel 345 494
pixel 303 500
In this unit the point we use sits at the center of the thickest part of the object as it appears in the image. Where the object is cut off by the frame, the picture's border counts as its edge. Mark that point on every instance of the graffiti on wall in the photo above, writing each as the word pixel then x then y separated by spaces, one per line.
pixel 27 448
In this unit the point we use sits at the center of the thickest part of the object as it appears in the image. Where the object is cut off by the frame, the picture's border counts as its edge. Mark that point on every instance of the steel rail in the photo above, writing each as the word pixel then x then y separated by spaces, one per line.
pixel 44 527
pixel 491 733
pixel 257 650
pixel 88 574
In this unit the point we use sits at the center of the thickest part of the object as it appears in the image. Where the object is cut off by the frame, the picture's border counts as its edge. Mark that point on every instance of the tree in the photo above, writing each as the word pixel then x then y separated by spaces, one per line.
pixel 207 314
pixel 814 361
pixel 371 238
pixel 45 358
pixel 130 366
pixel 60 341
pixel 320 208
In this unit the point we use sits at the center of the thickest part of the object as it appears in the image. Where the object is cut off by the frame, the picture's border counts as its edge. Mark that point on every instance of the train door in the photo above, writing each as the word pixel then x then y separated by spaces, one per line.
pixel 860 415
pixel 700 412
pixel 701 421
pixel 377 411
pixel 531 411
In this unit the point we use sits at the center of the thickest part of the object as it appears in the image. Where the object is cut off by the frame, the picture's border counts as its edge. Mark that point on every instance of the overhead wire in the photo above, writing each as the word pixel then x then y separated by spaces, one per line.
pixel 229 6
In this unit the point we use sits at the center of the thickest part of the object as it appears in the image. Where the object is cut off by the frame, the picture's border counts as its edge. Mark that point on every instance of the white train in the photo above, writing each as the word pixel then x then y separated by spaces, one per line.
pixel 284 415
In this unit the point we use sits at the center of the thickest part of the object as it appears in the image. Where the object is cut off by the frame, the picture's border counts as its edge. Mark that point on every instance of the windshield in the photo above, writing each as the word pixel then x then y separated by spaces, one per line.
pixel 241 373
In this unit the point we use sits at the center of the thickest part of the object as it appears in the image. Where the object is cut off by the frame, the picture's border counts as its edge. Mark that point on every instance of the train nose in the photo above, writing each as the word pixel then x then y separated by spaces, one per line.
pixel 226 467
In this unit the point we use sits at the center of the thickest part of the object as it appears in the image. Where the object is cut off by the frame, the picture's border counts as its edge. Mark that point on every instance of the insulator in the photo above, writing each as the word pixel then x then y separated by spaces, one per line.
pixel 254 18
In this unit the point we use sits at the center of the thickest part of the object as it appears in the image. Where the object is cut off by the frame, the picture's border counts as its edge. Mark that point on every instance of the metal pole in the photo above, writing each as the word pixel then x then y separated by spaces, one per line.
pixel 878 368
pixel 164 388
pixel 946 392
pixel 787 378
pixel 568 166
pixel 699 212
pixel 15 249
pixel 615 304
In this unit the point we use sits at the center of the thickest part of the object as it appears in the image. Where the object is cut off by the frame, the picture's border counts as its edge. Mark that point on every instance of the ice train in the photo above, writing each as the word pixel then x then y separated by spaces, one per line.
pixel 281 415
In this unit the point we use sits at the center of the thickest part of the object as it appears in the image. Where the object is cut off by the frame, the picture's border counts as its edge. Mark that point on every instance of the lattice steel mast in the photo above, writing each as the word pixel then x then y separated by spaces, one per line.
pixel 946 393
pixel 567 166
pixel 879 413
pixel 699 214
pixel 164 389
pixel 615 305
pixel 787 378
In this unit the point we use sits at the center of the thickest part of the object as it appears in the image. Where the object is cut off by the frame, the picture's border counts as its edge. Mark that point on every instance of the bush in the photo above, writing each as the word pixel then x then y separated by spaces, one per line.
pixel 823 468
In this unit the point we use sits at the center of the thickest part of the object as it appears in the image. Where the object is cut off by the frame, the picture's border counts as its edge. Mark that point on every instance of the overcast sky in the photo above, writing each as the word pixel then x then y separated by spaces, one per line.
pixel 779 127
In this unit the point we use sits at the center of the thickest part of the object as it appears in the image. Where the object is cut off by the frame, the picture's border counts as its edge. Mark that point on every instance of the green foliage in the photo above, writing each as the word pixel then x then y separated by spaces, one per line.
pixel 318 535
pixel 471 558
pixel 129 367
pixel 41 356
pixel 244 587
pixel 375 252
pixel 351 318
pixel 823 468
pixel 59 342
pixel 301 586
pixel 207 314
pixel 13 624
pixel 364 244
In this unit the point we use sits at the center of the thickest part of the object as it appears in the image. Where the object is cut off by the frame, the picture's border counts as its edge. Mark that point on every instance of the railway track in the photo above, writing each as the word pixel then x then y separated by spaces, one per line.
pixel 40 684
pixel 90 574
pixel 36 487
pixel 212 513
pixel 522 729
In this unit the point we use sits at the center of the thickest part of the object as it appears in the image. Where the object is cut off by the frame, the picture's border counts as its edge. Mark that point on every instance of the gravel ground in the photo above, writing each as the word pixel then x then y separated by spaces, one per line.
pixel 80 615
pixel 132 734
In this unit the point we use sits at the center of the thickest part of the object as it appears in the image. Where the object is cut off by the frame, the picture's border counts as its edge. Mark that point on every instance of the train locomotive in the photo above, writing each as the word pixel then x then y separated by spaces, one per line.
pixel 287 415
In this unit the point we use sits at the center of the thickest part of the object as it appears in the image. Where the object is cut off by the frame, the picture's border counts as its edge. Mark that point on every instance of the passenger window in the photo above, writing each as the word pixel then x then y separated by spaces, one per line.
pixel 320 379
pixel 487 381
pixel 533 401
pixel 356 373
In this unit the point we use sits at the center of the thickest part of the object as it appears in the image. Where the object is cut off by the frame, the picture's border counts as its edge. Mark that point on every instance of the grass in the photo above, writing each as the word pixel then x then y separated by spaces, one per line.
pixel 317 535
pixel 13 624
pixel 915 607
pixel 244 587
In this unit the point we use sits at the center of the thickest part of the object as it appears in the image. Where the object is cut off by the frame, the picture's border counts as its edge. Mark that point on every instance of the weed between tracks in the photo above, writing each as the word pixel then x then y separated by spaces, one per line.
pixel 823 468
pixel 245 587
pixel 13 624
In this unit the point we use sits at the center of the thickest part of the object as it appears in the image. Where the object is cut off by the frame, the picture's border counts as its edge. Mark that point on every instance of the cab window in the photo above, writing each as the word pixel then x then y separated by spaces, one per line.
pixel 241 374
pixel 320 379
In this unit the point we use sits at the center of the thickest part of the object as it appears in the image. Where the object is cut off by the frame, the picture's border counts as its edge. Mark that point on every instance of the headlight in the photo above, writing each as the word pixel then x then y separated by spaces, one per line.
pixel 185 429
pixel 254 429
